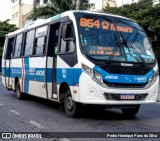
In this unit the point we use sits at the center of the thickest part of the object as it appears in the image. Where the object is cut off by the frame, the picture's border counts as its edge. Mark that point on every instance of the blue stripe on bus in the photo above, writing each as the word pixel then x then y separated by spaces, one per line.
pixel 124 79
pixel 69 75
pixel 26 75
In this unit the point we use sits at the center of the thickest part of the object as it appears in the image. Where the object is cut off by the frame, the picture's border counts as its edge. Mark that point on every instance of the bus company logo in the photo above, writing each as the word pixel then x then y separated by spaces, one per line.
pixel 141 79
pixel 111 77
pixel 40 73
pixel 127 65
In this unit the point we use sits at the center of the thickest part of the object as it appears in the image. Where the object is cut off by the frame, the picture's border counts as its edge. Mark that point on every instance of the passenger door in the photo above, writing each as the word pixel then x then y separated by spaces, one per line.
pixel 67 57
pixel 53 45
pixel 6 62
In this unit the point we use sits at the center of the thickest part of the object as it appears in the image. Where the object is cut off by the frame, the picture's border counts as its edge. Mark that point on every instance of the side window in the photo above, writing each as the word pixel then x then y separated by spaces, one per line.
pixel 40 46
pixel 40 42
pixel 67 46
pixel 67 39
pixel 29 43
pixel 9 48
pixel 18 45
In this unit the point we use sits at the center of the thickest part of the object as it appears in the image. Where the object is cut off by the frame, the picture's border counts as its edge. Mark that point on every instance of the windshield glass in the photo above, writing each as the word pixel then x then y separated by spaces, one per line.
pixel 105 37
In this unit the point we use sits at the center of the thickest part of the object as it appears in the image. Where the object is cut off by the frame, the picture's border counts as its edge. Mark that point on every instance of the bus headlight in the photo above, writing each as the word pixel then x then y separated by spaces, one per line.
pixel 93 74
pixel 153 78
pixel 97 76
pixel 87 69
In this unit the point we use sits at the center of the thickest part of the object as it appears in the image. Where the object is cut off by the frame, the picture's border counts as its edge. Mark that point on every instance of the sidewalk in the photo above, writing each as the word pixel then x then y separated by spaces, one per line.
pixel 12 122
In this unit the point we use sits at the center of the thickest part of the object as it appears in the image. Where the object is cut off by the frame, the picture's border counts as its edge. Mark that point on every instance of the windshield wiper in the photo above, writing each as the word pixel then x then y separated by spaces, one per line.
pixel 131 46
pixel 135 50
pixel 119 42
pixel 123 41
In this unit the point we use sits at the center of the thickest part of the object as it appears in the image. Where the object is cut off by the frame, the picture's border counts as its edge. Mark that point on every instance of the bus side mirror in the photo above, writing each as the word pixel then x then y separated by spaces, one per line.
pixel 67 32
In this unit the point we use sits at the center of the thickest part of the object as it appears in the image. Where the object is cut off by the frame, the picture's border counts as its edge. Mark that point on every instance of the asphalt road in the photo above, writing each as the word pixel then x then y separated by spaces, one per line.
pixel 47 116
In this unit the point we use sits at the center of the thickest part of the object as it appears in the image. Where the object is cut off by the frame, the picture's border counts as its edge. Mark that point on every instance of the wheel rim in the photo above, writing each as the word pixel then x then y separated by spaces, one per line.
pixel 69 103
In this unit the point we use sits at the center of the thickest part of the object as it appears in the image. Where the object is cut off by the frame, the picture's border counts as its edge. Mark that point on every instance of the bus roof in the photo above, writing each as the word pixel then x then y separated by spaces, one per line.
pixel 45 21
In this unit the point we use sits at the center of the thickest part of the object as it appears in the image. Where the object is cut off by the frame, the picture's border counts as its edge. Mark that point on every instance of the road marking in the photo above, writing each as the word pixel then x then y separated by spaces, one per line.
pixel 36 124
pixel 1 104
pixel 59 139
pixel 64 139
pixel 14 112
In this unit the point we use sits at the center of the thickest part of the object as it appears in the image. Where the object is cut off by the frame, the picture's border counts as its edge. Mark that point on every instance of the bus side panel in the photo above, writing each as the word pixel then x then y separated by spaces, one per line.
pixel 5 72
pixel 5 65
pixel 16 72
pixel 69 75
pixel 37 76
pixel 65 73
pixel 50 77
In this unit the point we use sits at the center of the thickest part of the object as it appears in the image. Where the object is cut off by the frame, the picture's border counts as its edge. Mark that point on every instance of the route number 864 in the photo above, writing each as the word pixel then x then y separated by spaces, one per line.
pixel 84 22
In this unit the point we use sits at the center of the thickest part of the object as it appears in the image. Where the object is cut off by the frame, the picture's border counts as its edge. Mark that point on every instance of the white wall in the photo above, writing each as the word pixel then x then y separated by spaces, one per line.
pixel 100 4
pixel 120 2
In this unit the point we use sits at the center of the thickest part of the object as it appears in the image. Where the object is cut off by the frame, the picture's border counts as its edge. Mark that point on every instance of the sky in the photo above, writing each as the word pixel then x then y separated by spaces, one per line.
pixel 6 9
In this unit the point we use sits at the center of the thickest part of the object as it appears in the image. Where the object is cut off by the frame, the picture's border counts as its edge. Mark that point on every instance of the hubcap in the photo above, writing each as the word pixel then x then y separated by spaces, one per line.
pixel 69 103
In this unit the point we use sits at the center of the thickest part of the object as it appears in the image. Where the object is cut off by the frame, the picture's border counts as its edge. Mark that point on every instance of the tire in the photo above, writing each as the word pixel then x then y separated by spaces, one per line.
pixel 19 94
pixel 71 108
pixel 130 112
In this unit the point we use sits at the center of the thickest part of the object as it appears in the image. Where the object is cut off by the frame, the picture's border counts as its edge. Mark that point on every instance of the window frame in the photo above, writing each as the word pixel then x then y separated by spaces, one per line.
pixel 24 46
pixel 39 36
pixel 61 38
pixel 14 46
pixel 44 49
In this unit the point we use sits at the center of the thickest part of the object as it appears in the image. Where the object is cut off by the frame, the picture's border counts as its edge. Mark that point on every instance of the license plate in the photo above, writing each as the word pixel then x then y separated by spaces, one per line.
pixel 127 96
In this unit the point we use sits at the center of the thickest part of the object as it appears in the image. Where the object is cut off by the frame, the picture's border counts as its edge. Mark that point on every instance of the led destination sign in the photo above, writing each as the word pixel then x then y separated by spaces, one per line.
pixel 85 22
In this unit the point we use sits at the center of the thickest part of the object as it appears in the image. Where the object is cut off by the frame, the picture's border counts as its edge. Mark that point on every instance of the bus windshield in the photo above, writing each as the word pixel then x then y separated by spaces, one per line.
pixel 115 39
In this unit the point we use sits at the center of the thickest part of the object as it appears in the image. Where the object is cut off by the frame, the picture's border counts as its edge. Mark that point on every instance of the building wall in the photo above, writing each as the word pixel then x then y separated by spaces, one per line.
pixel 42 2
pixel 15 14
pixel 20 14
pixel 21 19
pixel 100 4
pixel 122 2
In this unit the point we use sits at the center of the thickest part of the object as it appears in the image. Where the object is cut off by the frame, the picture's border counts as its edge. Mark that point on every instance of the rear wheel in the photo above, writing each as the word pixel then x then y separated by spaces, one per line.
pixel 19 94
pixel 72 108
pixel 131 111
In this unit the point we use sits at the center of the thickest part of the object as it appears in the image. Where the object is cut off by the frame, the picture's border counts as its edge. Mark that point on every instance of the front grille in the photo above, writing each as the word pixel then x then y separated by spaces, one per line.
pixel 117 97
pixel 123 85
pixel 126 71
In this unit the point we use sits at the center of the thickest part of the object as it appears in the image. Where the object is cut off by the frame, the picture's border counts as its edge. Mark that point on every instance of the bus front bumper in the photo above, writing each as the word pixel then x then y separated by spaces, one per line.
pixel 93 93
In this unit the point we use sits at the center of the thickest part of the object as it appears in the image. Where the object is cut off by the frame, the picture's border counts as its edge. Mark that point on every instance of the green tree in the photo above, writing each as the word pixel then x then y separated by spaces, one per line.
pixel 58 6
pixel 147 15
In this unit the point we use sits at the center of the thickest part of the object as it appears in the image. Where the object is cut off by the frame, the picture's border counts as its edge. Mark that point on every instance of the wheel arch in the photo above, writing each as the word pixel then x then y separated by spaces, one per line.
pixel 64 87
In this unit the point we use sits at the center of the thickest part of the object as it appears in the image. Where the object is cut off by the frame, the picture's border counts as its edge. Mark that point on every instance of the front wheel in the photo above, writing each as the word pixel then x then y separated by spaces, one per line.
pixel 72 108
pixel 131 111
pixel 19 94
